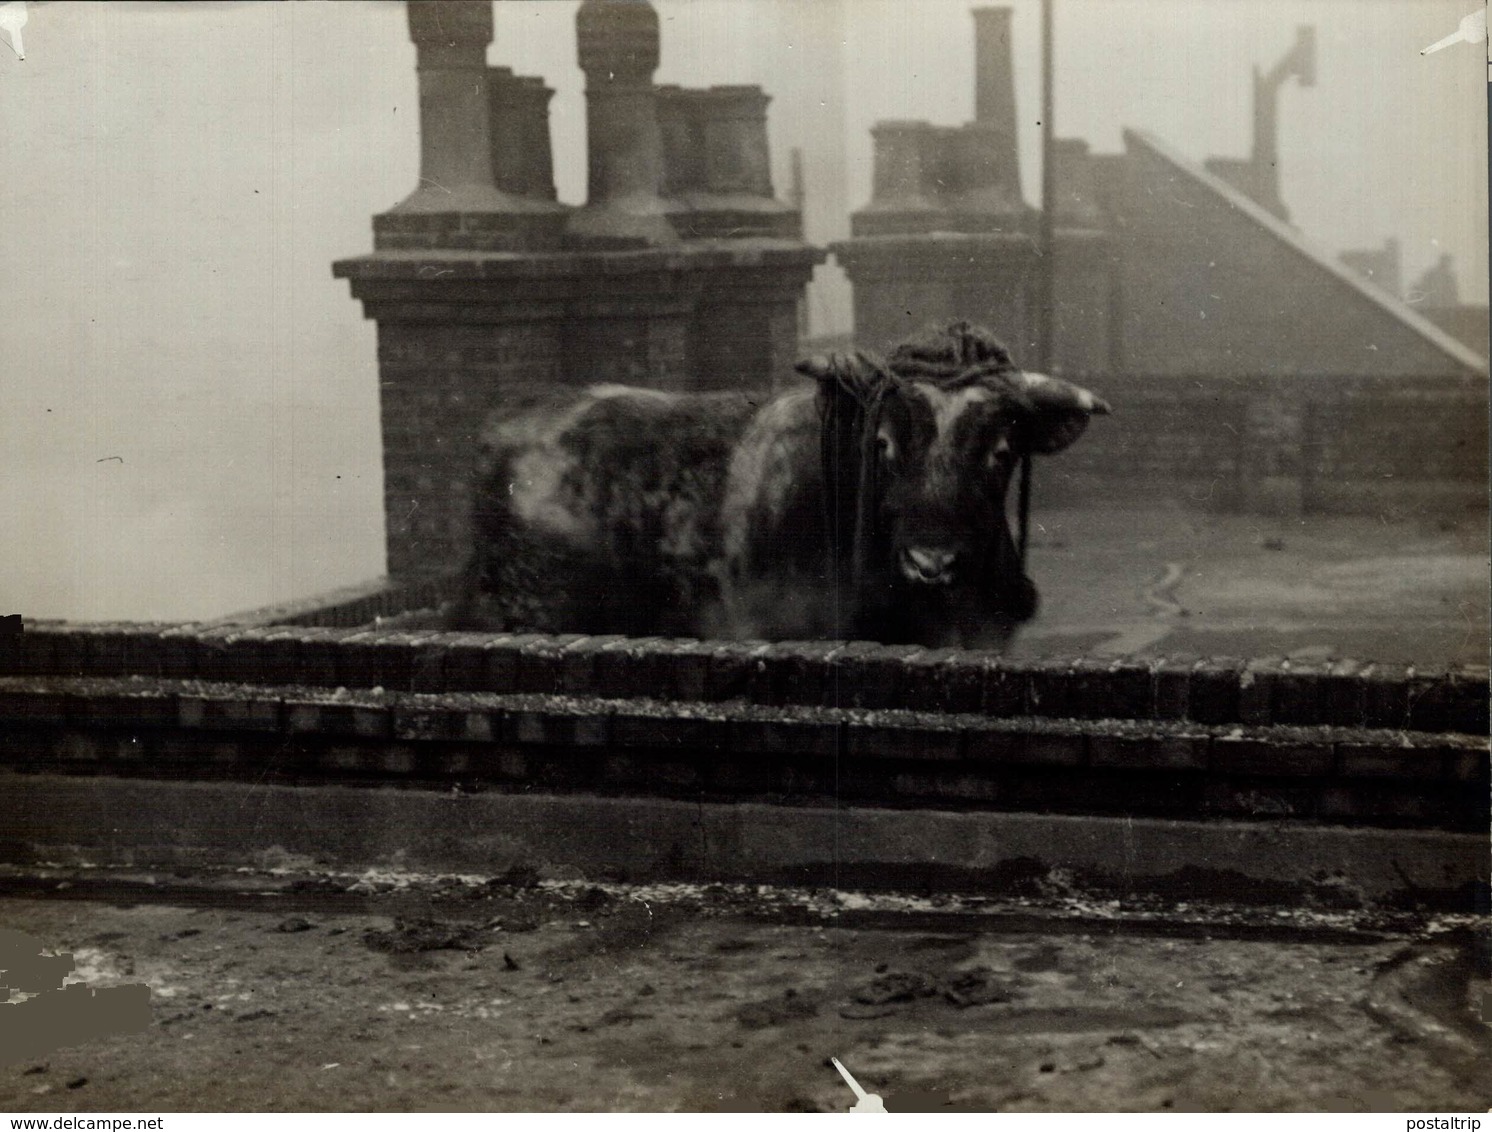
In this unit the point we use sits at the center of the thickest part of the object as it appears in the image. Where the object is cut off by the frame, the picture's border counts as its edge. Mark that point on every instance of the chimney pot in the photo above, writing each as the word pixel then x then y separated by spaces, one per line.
pixel 994 93
pixel 457 203
pixel 617 46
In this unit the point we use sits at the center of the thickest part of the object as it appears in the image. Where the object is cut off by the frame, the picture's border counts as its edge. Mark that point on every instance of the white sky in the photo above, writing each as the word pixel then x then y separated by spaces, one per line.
pixel 177 178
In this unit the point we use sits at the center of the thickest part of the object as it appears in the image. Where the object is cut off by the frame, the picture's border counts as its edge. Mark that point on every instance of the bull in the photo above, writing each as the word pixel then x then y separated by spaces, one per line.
pixel 868 503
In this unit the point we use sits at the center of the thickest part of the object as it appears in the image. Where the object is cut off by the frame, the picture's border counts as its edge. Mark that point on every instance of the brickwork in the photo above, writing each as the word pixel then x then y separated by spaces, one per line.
pixel 1343 770
pixel 1247 370
pixel 438 386
pixel 1326 444
pixel 207 729
pixel 457 332
pixel 1084 338
pixel 744 328
pixel 789 722
pixel 813 674
pixel 904 283
pixel 483 284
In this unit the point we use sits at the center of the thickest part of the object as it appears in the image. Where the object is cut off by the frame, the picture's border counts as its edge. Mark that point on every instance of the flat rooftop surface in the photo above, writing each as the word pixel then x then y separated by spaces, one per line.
pixel 1166 580
pixel 456 994
pixel 1158 578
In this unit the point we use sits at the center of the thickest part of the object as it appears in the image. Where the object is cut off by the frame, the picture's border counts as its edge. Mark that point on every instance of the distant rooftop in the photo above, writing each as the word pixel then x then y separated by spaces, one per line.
pixel 1406 315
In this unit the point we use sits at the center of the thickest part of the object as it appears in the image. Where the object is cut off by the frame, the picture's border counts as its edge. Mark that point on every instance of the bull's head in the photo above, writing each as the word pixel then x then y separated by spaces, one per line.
pixel 934 437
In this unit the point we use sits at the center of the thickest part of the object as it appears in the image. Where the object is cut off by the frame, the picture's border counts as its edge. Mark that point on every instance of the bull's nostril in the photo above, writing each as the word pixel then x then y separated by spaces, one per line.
pixel 924 565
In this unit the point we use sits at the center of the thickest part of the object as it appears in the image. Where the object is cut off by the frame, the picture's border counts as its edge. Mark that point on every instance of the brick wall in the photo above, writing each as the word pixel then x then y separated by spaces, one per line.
pixel 788 723
pixel 1086 294
pixel 438 384
pixel 1328 444
pixel 1220 691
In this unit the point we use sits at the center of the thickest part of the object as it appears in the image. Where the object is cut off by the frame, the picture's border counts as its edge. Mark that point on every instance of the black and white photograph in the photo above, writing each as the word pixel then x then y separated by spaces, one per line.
pixel 718 556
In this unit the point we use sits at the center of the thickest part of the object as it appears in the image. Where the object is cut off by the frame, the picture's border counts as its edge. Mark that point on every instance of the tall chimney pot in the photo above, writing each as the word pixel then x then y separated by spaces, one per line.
pixel 617 48
pixel 457 203
pixel 522 159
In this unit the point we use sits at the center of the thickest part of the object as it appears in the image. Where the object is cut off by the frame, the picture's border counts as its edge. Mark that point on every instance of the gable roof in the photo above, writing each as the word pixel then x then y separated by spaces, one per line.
pixel 1404 314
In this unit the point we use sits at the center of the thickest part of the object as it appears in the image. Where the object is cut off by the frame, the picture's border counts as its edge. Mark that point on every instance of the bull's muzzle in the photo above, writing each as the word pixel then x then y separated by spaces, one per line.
pixel 928 566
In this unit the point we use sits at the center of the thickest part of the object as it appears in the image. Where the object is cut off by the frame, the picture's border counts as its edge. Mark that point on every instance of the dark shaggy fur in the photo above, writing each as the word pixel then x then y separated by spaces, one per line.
pixel 641 474
pixel 813 514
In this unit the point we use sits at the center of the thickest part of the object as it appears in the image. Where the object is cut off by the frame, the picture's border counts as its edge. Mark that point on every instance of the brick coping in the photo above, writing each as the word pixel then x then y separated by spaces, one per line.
pixel 1269 691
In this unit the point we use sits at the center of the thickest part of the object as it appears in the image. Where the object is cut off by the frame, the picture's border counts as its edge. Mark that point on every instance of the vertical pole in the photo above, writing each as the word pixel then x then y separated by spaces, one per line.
pixel 1046 297
pixel 797 194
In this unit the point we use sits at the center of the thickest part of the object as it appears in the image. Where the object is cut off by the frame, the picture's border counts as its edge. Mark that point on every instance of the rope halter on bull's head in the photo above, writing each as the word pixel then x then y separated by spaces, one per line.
pixel 852 389
pixel 854 386
pixel 959 354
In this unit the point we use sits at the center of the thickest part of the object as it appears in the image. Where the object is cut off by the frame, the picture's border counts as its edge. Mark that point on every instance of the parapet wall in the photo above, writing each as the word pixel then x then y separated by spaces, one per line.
pixel 811 674
pixel 793 723
pixel 1289 443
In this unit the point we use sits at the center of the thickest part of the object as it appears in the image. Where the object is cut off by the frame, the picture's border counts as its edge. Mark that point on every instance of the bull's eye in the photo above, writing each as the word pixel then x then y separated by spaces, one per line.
pixel 998 454
pixel 885 445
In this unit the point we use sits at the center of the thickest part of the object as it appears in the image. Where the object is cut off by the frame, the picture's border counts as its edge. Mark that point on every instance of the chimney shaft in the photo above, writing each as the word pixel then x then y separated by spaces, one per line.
pixel 994 89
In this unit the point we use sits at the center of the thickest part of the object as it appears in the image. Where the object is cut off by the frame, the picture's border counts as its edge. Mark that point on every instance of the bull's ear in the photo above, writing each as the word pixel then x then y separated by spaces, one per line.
pixel 1062 411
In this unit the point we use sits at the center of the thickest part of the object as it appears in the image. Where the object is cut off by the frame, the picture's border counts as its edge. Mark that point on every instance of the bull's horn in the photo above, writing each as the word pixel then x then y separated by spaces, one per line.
pixel 859 366
pixel 1054 393
pixel 817 367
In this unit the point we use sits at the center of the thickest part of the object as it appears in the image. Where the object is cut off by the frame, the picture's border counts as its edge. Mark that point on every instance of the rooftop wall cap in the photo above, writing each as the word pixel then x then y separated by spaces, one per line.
pixel 456 265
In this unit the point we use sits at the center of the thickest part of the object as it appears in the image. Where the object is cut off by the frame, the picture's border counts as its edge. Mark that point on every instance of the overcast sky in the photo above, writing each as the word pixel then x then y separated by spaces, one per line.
pixel 188 400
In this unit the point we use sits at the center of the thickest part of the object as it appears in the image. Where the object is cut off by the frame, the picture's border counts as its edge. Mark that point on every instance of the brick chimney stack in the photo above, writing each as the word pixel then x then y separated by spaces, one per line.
pixel 946 233
pixel 485 288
